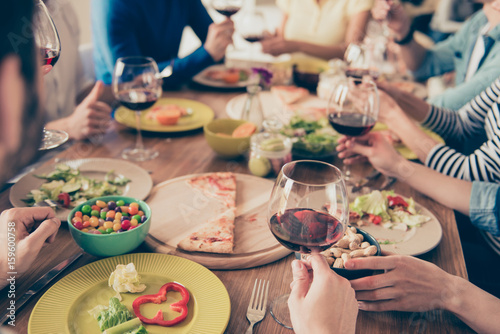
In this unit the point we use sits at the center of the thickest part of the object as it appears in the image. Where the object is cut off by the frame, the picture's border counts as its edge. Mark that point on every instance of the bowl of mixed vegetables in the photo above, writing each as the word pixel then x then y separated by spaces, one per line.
pixel 312 139
pixel 110 225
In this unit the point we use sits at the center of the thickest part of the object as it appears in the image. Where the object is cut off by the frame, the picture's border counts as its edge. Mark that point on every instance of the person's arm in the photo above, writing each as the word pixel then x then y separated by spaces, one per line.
pixel 384 158
pixel 456 97
pixel 413 285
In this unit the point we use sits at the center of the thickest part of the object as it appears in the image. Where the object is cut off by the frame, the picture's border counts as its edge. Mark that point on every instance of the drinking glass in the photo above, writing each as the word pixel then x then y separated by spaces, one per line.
pixel 137 86
pixel 252 26
pixel 227 7
pixel 308 212
pixel 353 108
pixel 49 46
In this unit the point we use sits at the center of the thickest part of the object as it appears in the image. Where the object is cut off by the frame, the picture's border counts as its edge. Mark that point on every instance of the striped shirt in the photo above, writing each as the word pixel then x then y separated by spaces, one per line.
pixel 481 114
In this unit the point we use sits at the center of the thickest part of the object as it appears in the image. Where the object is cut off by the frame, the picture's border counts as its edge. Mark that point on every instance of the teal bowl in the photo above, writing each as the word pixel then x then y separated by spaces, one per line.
pixel 111 244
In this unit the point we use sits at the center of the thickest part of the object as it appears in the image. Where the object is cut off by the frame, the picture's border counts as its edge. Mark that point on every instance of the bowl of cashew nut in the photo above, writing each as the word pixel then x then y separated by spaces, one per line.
pixel 355 243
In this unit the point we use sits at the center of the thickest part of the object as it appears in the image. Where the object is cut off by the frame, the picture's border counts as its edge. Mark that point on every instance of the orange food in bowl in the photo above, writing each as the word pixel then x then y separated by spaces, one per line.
pixel 168 117
pixel 244 130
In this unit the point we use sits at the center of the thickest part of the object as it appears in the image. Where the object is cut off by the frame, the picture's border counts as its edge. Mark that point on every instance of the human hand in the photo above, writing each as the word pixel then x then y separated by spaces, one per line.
pixel 219 36
pixel 91 117
pixel 32 228
pixel 394 13
pixel 374 147
pixel 409 284
pixel 278 45
pixel 321 302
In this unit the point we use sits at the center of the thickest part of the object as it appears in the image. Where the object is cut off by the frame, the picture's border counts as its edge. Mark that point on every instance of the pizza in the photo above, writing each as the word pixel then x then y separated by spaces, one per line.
pixel 221 186
pixel 289 94
pixel 214 236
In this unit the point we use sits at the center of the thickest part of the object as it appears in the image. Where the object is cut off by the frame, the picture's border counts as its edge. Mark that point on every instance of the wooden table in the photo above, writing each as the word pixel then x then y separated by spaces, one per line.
pixel 186 153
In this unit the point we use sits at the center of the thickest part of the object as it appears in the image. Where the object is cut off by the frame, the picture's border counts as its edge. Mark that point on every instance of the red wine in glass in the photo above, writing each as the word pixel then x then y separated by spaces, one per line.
pixel 49 56
pixel 137 99
pixel 253 39
pixel 351 123
pixel 228 11
pixel 306 230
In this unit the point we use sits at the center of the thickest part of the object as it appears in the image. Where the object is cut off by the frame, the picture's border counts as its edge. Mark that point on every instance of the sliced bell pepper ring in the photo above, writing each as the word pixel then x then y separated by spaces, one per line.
pixel 161 296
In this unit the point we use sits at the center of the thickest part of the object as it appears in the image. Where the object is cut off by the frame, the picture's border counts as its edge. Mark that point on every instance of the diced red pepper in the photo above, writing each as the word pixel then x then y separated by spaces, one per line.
pixel 161 296
pixel 397 201
pixel 374 219
pixel 64 199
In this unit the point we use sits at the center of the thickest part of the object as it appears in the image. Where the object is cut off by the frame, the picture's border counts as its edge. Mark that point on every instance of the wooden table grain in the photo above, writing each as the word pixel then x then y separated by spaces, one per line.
pixel 188 152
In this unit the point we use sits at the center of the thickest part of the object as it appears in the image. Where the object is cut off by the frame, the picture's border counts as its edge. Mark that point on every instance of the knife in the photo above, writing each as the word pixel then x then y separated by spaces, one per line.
pixel 40 284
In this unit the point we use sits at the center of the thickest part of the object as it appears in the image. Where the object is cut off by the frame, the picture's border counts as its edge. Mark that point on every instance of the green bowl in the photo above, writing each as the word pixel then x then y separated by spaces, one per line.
pixel 111 244
pixel 226 147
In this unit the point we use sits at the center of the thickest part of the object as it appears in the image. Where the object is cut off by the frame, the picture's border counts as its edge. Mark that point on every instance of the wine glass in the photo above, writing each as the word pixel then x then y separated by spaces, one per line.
pixel 308 212
pixel 227 7
pixel 353 108
pixel 49 46
pixel 137 86
pixel 252 26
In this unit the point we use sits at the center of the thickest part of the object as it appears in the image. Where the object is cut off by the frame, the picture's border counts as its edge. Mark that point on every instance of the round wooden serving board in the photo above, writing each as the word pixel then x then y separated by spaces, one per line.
pixel 178 210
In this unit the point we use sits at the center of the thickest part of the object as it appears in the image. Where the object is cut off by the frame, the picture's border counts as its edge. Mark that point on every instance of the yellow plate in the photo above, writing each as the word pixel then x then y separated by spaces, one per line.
pixel 202 114
pixel 63 308
pixel 401 148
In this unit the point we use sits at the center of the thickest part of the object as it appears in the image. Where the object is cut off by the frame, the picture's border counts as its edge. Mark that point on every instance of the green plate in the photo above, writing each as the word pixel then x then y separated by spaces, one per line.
pixel 401 148
pixel 63 308
pixel 202 114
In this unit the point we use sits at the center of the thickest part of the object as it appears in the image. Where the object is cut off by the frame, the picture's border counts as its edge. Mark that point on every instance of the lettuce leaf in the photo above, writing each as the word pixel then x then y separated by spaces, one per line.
pixel 126 279
pixel 116 314
pixel 374 203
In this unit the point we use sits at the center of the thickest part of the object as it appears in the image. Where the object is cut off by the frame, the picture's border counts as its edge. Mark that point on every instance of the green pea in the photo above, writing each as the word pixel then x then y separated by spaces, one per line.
pixel 95 213
pixel 120 203
pixel 125 214
pixel 109 230
pixel 103 215
pixel 137 217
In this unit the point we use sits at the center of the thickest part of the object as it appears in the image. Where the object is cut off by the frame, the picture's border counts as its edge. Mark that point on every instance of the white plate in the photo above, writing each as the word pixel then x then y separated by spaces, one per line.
pixel 96 168
pixel 272 106
pixel 201 79
pixel 179 210
pixel 424 239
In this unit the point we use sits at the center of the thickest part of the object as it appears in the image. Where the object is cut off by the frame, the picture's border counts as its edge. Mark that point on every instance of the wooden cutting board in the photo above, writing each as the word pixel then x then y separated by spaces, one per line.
pixel 178 210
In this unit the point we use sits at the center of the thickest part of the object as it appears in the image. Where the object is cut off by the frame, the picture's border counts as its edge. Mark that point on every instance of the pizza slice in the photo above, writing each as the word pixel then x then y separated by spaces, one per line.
pixel 289 94
pixel 221 186
pixel 215 236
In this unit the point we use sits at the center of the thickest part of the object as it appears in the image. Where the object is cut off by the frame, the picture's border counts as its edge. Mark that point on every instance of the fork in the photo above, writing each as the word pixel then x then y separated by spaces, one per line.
pixel 258 302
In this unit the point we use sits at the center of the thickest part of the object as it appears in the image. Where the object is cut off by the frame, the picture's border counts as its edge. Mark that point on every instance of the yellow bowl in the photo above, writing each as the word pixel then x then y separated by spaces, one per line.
pixel 218 135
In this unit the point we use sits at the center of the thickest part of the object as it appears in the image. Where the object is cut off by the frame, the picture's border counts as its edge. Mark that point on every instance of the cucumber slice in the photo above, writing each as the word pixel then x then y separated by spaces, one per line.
pixel 70 187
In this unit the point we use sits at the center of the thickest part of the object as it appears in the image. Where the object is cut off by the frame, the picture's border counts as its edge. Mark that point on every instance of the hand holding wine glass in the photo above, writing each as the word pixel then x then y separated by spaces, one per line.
pixel 308 212
pixel 137 86
pixel 353 107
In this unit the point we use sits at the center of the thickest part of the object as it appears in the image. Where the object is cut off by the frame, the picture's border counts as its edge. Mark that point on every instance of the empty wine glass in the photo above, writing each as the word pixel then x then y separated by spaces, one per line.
pixel 308 212
pixel 137 86
pixel 353 108
pixel 49 46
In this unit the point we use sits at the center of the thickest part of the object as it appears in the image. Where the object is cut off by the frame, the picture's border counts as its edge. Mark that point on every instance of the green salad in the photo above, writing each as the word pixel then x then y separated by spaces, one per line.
pixel 311 138
pixel 68 187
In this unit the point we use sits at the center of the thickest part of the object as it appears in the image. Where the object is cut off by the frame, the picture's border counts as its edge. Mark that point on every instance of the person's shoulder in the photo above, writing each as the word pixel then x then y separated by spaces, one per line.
pixel 478 17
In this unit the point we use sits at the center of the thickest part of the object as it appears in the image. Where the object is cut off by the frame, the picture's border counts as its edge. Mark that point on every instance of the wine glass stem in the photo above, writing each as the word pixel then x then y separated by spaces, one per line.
pixel 347 172
pixel 139 146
